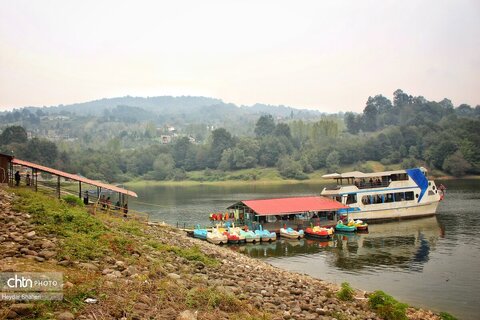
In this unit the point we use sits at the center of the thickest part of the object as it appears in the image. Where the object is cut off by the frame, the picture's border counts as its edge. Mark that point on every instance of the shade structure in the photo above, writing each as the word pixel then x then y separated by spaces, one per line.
pixel 74 177
pixel 266 207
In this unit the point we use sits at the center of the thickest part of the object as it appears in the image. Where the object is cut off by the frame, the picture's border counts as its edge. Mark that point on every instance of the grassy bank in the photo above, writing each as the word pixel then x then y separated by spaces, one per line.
pixel 88 244
pixel 271 176
pixel 133 270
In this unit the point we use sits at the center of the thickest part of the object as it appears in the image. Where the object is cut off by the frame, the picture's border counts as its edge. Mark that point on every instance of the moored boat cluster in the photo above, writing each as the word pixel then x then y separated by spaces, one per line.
pixel 235 235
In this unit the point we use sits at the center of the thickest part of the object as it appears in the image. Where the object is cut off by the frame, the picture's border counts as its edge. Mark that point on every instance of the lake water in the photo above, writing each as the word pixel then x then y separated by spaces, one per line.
pixel 432 262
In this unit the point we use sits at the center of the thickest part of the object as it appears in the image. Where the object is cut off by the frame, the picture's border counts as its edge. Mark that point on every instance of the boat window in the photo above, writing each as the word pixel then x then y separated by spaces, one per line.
pixel 409 195
pixel 366 200
pixel 433 187
pixel 399 196
pixel 352 198
pixel 416 195
pixel 389 197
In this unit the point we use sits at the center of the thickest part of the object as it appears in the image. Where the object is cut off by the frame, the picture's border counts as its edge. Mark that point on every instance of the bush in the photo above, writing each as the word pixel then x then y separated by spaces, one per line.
pixel 346 293
pixel 387 307
pixel 73 200
pixel 291 169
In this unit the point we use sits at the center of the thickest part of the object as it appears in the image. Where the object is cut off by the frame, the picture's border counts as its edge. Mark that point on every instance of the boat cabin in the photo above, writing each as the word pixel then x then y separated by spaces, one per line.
pixel 297 213
pixel 368 180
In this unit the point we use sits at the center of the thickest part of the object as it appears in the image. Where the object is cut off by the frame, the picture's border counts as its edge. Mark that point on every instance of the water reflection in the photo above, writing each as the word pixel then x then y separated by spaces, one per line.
pixel 404 245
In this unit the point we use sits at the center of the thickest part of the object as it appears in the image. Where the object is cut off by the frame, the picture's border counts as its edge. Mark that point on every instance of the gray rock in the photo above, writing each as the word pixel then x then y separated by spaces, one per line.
pixel 47 254
pixel 120 265
pixel 173 276
pixel 39 259
pixel 107 271
pixel 65 316
pixel 65 263
pixel 22 308
pixel 88 266
pixel 321 312
pixel 30 235
pixel 187 315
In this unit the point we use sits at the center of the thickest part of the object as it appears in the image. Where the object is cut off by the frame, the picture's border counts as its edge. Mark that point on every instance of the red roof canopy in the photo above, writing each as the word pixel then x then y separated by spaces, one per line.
pixel 266 207
pixel 74 177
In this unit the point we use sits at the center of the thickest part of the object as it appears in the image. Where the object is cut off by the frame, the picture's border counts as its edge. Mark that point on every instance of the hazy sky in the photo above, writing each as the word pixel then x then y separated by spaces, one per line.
pixel 327 55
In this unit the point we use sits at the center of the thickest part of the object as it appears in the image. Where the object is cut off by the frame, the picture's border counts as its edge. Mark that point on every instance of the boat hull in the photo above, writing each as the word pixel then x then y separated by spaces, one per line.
pixel 291 236
pixel 217 240
pixel 414 211
pixel 318 236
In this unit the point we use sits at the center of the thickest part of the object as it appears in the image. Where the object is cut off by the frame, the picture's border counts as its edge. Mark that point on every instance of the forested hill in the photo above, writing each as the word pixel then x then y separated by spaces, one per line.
pixel 192 134
pixel 188 106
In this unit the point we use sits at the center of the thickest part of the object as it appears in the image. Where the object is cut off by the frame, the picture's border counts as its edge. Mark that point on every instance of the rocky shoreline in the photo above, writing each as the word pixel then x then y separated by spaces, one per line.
pixel 156 280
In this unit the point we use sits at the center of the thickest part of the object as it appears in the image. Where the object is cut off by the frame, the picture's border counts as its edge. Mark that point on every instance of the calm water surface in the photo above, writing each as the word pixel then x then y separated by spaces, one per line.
pixel 431 262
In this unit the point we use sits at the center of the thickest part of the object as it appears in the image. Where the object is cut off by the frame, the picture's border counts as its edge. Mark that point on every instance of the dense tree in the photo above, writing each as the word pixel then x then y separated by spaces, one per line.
pixel 456 164
pixel 265 125
pixel 352 122
pixel 282 129
pixel 180 150
pixel 163 167
pixel 290 168
pixel 221 140
pixel 13 134
pixel 333 161
pixel 370 114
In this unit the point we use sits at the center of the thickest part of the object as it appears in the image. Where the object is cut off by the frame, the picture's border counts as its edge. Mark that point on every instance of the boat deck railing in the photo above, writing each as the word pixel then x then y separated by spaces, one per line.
pixel 360 186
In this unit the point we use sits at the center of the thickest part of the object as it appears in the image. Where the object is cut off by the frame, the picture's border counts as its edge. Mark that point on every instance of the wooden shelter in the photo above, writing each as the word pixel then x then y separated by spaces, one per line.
pixel 7 171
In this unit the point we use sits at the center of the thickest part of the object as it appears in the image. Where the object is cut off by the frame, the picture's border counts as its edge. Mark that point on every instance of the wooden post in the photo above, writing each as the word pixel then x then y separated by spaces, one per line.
pixel 80 189
pixel 58 186
pixel 36 179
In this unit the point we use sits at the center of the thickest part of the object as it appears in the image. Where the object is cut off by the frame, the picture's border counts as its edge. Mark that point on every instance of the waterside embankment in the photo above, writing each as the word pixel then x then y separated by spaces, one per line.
pixel 135 270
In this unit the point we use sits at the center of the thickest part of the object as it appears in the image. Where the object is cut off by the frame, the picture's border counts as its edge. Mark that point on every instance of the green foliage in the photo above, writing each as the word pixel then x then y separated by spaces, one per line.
pixel 73 200
pixel 346 293
pixel 191 254
pixel 291 169
pixel 333 161
pixel 447 316
pixel 124 143
pixel 211 298
pixel 456 164
pixel 162 167
pixel 265 126
pixel 387 307
pixel 13 134
pixel 84 236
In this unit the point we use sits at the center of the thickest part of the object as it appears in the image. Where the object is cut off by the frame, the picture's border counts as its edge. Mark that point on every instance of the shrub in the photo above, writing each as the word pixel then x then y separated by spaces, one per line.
pixel 387 307
pixel 73 200
pixel 346 293
pixel 211 298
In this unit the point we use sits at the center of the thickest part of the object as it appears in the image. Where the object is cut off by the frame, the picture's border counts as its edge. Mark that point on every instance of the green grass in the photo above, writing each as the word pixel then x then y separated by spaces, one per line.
pixel 346 293
pixel 191 254
pixel 211 298
pixel 447 316
pixel 387 307
pixel 84 236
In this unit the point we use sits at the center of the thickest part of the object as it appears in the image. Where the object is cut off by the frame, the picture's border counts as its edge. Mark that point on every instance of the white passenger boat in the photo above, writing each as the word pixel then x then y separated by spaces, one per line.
pixel 385 195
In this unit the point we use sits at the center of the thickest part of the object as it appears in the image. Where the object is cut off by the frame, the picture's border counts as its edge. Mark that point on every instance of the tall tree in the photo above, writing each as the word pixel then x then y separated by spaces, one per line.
pixel 221 140
pixel 351 123
pixel 13 134
pixel 265 125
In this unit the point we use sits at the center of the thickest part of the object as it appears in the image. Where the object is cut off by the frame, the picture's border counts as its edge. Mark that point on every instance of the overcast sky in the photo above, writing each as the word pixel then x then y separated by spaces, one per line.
pixel 326 55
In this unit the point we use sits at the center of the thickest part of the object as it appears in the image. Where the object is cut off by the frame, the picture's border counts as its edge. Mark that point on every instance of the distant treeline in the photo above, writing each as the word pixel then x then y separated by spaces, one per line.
pixel 410 131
